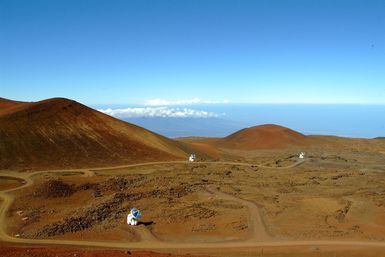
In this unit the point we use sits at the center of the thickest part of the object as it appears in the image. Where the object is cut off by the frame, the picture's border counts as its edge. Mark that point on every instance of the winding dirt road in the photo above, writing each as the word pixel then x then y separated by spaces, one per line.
pixel 257 229
pixel 258 236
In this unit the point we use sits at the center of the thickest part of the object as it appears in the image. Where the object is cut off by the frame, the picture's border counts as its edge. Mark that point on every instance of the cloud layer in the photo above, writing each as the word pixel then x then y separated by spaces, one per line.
pixel 164 102
pixel 162 111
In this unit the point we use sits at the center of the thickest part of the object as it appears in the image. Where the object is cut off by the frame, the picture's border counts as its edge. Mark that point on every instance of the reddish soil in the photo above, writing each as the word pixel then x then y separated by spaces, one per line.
pixel 60 133
pixel 9 106
pixel 9 182
pixel 13 251
pixel 207 149
pixel 256 199
pixel 263 137
pixel 282 251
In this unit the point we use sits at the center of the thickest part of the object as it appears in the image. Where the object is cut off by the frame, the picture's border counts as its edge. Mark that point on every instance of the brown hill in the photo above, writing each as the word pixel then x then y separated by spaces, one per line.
pixel 61 133
pixel 263 137
pixel 9 106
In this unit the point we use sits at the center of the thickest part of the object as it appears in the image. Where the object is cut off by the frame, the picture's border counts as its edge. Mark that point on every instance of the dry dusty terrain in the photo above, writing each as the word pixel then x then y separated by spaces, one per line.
pixel 248 194
pixel 277 251
pixel 273 198
pixel 62 133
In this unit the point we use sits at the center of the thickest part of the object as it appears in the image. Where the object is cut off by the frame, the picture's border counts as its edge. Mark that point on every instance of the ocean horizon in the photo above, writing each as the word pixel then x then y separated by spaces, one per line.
pixel 345 120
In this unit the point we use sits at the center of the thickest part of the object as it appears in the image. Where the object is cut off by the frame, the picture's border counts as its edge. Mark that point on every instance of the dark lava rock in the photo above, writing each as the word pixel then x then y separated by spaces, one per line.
pixel 55 188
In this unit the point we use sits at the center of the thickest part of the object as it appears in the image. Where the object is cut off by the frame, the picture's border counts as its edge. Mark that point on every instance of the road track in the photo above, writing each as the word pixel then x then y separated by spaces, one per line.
pixel 258 235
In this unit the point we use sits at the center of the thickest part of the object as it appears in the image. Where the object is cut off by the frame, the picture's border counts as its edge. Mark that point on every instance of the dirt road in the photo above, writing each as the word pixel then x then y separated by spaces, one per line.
pixel 255 223
pixel 258 236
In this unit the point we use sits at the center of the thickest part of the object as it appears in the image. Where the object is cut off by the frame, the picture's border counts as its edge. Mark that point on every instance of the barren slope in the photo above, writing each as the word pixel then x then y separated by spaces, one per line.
pixel 263 137
pixel 61 133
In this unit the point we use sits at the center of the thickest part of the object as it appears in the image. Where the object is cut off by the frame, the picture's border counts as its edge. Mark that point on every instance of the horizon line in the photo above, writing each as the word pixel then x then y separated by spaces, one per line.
pixel 228 102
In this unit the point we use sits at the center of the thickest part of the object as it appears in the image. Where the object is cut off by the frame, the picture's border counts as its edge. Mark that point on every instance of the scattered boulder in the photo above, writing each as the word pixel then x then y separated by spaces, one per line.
pixel 55 188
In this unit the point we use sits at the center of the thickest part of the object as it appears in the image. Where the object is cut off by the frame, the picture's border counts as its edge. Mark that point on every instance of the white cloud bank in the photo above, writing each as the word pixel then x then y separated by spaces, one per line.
pixel 164 102
pixel 163 111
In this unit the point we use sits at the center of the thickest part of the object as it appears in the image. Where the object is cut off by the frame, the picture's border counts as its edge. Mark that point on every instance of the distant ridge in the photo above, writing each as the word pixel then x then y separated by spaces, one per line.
pixel 62 133
pixel 268 136
pixel 9 106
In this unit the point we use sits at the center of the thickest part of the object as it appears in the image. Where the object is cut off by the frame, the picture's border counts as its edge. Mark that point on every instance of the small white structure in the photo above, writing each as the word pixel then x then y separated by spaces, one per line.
pixel 191 158
pixel 133 217
pixel 301 155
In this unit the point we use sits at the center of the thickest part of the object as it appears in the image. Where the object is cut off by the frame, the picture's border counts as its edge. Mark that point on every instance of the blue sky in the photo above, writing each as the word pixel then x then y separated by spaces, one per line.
pixel 121 51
